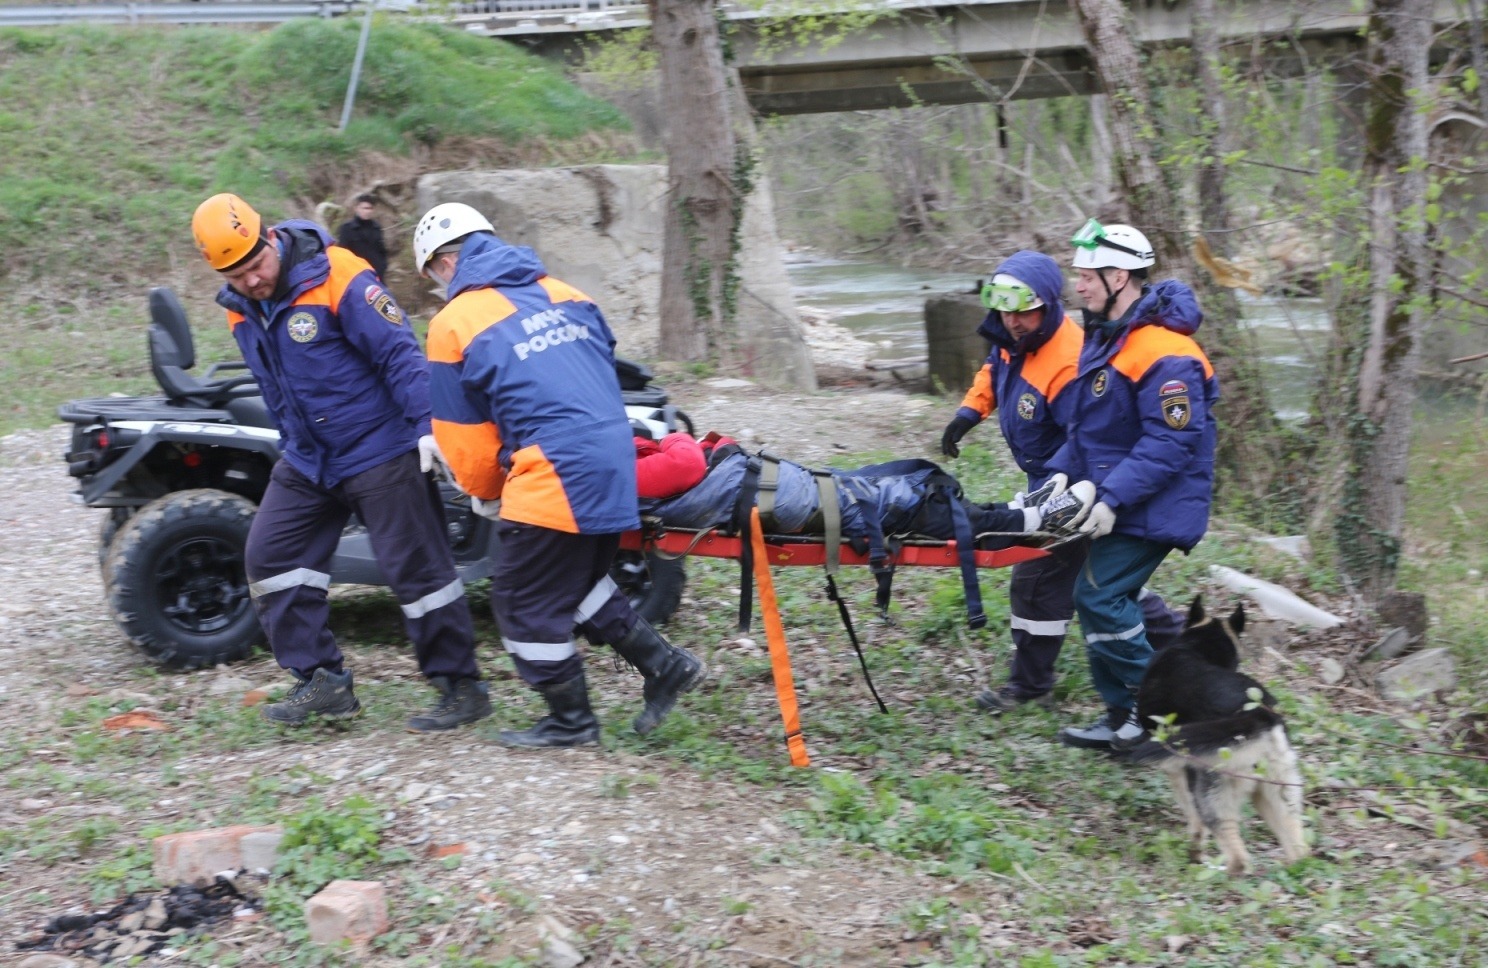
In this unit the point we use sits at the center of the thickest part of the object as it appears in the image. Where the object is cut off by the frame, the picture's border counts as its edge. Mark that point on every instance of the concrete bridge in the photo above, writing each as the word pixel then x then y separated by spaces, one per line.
pixel 915 51
pixel 922 52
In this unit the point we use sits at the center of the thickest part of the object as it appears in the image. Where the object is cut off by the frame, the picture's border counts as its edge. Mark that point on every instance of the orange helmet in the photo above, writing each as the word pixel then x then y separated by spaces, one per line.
pixel 228 231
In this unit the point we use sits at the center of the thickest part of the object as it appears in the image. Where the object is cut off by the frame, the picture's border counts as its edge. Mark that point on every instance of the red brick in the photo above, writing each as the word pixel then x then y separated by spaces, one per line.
pixel 197 855
pixel 354 911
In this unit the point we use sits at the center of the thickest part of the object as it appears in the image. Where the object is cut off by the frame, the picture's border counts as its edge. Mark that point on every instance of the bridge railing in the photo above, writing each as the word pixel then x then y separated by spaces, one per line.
pixel 213 12
pixel 275 11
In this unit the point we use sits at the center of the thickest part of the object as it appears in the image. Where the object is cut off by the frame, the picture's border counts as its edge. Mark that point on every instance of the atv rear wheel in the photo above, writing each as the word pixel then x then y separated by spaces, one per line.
pixel 176 583
pixel 652 583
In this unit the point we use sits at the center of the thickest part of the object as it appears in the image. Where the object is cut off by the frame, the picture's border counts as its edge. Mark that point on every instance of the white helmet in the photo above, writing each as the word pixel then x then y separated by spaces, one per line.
pixel 442 225
pixel 1111 247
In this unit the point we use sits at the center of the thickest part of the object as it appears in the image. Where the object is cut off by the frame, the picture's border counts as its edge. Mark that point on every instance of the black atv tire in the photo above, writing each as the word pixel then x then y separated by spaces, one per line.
pixel 112 523
pixel 652 583
pixel 176 583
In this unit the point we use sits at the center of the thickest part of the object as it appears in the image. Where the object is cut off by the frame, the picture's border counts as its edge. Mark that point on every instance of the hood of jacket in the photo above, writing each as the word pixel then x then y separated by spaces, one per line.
pixel 302 260
pixel 486 261
pixel 1169 304
pixel 1043 276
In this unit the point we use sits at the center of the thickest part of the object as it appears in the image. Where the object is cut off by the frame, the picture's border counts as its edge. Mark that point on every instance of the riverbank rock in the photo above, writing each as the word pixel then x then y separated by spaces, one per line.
pixel 1419 675
pixel 600 228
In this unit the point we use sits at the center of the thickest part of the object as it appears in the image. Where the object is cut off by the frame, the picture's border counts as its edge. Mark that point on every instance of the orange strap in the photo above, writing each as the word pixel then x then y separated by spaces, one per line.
pixel 785 686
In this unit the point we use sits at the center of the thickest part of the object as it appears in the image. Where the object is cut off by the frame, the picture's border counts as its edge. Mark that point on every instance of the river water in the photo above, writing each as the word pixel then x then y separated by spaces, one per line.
pixel 884 304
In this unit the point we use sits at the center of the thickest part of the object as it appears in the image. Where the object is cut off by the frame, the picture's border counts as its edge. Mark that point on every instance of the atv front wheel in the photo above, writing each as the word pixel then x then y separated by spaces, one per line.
pixel 112 522
pixel 176 583
pixel 652 583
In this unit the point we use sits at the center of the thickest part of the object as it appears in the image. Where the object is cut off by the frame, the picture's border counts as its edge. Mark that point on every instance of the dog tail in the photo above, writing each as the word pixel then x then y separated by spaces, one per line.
pixel 1207 737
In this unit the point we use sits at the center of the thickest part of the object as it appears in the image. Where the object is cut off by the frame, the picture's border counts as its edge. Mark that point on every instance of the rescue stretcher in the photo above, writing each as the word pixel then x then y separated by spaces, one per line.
pixel 765 550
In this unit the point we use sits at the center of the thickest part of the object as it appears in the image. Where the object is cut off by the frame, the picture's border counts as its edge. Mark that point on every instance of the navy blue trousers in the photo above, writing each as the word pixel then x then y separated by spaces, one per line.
pixel 547 584
pixel 295 533
pixel 1041 599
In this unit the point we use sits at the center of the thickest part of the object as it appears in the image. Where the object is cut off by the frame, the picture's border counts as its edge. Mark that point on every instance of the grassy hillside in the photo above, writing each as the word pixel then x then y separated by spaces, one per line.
pixel 112 136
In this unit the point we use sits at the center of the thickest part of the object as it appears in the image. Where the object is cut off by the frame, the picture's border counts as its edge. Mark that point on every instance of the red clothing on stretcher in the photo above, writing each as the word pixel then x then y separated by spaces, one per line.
pixel 668 467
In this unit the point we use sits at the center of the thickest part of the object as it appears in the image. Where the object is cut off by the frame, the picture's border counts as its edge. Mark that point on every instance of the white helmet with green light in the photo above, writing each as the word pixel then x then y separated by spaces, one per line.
pixel 1100 246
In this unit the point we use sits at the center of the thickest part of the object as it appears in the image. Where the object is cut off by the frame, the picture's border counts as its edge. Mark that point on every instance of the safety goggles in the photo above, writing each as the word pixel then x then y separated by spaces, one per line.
pixel 1089 236
pixel 1005 297
pixel 1092 235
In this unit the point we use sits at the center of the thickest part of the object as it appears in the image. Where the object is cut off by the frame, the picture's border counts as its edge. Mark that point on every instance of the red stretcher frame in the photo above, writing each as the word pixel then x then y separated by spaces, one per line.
pixel 787 551
pixel 791 550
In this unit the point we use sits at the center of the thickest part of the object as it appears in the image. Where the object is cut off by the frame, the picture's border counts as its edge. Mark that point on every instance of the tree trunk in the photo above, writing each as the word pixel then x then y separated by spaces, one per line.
pixel 1248 449
pixel 705 203
pixel 1368 526
pixel 1100 152
pixel 1156 207
pixel 1148 200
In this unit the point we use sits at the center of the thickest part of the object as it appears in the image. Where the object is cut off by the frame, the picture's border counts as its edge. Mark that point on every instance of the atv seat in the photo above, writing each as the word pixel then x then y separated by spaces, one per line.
pixel 172 353
pixel 250 412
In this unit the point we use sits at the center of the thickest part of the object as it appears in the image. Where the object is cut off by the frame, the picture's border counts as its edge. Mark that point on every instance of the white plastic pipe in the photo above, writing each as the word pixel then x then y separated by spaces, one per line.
pixel 1276 602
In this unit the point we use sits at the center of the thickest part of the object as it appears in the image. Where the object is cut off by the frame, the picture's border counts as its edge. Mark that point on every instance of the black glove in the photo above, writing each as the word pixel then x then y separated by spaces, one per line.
pixel 954 431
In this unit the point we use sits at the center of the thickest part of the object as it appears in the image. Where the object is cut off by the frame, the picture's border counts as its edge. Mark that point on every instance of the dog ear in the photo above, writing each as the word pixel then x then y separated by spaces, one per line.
pixel 1237 619
pixel 1195 612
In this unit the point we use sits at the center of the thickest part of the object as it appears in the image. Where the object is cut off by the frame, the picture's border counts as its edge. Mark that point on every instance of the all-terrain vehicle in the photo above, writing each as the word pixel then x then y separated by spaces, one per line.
pixel 181 474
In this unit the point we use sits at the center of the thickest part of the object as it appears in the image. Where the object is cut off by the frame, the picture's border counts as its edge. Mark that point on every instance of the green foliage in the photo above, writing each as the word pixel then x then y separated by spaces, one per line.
pixel 420 84
pixel 155 119
pixel 322 844
pixel 623 57
pixel 97 186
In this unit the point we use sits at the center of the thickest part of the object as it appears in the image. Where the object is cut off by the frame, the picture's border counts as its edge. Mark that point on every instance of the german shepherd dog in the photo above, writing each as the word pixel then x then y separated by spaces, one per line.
pixel 1225 742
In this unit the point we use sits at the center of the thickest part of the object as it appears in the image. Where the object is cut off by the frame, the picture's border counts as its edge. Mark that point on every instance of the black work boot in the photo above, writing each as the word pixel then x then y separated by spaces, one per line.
pixel 569 722
pixel 461 701
pixel 325 694
pixel 669 672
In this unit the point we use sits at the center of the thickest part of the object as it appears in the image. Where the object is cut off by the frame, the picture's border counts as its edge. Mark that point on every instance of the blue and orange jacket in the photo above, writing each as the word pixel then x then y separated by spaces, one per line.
pixel 1024 379
pixel 1142 425
pixel 340 371
pixel 527 406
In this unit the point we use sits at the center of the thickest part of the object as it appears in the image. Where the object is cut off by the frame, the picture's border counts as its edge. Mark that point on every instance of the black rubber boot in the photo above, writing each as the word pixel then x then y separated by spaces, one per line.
pixel 669 672
pixel 461 701
pixel 569 722
pixel 325 694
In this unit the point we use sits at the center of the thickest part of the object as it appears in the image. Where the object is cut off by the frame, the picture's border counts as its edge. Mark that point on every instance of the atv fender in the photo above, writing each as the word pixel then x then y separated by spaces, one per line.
pixel 155 433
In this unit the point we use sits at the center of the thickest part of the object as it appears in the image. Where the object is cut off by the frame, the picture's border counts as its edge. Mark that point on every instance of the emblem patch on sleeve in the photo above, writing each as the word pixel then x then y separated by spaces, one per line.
pixel 382 301
pixel 302 327
pixel 1172 387
pixel 1176 412
pixel 1027 406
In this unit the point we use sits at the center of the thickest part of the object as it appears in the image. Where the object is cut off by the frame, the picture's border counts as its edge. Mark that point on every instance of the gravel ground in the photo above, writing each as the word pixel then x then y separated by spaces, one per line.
pixel 676 854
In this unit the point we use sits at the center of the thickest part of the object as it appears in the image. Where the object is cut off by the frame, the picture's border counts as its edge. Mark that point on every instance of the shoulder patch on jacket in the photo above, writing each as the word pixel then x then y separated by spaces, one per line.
pixel 1176 412
pixel 383 303
pixel 1172 387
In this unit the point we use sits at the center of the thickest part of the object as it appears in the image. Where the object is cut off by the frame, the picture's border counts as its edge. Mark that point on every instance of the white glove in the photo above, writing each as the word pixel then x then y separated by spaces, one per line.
pixel 1056 485
pixel 1100 522
pixel 1063 515
pixel 491 510
pixel 430 456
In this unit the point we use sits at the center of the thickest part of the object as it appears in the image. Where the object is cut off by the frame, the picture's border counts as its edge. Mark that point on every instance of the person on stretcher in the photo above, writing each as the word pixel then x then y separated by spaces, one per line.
pixel 677 463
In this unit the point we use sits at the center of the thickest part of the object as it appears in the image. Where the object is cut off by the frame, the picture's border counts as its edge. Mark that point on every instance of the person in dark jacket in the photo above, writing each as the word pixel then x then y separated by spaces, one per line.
pixel 1035 349
pixel 527 407
pixel 363 235
pixel 348 389
pixel 1142 428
